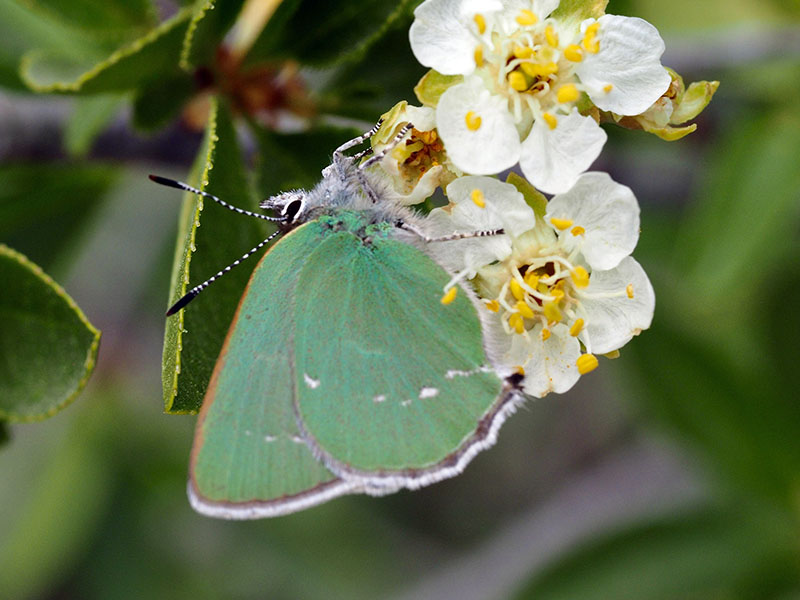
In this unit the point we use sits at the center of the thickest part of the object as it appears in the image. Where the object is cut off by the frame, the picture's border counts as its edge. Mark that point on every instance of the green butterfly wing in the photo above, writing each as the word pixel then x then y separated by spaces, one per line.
pixel 394 389
pixel 248 459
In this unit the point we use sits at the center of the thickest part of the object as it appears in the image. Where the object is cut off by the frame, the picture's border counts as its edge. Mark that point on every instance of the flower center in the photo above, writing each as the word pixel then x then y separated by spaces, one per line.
pixel 422 151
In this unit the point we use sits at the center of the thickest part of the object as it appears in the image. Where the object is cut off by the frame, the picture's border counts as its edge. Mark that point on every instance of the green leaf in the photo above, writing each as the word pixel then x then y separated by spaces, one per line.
pixel 194 336
pixel 160 101
pixel 5 434
pixel 206 31
pixel 709 553
pixel 45 208
pixel 144 59
pixel 92 114
pixel 47 346
pixel 316 32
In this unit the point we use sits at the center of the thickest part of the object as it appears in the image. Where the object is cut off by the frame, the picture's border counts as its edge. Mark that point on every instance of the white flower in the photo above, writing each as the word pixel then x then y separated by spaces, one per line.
pixel 525 72
pixel 563 288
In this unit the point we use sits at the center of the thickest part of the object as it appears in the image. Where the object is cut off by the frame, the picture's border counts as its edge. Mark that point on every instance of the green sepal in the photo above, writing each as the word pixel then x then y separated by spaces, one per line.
pixel 386 132
pixel 48 347
pixel 193 337
pixel 147 58
pixel 533 197
pixel 432 85
pixel 576 11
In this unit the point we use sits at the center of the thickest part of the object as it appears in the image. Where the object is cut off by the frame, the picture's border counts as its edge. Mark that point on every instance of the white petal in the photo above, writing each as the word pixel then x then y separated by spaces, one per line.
pixel 423 117
pixel 467 254
pixel 612 322
pixel 552 159
pixel 443 35
pixel 607 211
pixel 422 190
pixel 629 60
pixel 549 365
pixel 494 145
pixel 504 205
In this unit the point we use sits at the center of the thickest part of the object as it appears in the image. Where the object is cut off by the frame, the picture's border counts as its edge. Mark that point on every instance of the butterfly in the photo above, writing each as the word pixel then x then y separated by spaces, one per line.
pixel 344 370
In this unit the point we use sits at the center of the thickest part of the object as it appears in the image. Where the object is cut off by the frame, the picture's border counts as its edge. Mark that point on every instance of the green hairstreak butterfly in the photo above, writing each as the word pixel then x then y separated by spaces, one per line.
pixel 342 371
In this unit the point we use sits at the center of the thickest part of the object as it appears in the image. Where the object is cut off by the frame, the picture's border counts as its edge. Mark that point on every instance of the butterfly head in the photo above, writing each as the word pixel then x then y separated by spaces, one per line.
pixel 291 206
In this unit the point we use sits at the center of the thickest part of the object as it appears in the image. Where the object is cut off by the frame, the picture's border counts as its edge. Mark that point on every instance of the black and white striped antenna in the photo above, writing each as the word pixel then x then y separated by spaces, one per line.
pixel 191 294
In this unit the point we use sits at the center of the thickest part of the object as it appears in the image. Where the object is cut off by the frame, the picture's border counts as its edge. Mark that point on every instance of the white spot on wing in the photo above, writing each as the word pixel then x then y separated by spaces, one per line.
pixel 297 439
pixel 405 403
pixel 310 381
pixel 379 398
pixel 428 392
pixel 270 438
pixel 453 373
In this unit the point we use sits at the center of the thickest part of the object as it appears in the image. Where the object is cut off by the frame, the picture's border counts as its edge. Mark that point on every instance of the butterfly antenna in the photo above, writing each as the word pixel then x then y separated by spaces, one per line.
pixel 453 236
pixel 389 147
pixel 190 295
pixel 187 188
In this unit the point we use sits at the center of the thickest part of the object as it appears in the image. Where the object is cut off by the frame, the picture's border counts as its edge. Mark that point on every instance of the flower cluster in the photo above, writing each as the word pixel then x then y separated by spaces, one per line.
pixel 528 83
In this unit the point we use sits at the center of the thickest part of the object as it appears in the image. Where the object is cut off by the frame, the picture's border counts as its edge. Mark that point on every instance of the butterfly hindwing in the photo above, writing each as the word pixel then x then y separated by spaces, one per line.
pixel 393 387
pixel 248 459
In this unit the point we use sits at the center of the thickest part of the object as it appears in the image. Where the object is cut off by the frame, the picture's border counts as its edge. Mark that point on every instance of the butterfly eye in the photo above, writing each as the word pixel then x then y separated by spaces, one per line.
pixel 291 210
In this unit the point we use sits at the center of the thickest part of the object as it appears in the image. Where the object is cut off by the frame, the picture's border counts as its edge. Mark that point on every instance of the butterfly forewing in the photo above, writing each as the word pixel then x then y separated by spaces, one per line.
pixel 248 458
pixel 392 385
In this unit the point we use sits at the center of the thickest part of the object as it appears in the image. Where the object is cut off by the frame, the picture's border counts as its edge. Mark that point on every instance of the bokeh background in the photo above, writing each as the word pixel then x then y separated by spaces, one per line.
pixel 672 472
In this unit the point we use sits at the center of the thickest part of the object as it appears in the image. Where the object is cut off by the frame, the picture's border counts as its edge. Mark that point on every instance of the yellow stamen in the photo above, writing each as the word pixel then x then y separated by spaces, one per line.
pixel 576 328
pixel 577 230
pixel 551 121
pixel 527 17
pixel 545 335
pixel 450 295
pixel 517 322
pixel 586 363
pixel 558 294
pixel 516 290
pixel 574 53
pixel 612 355
pixel 561 224
pixel 568 93
pixel 551 36
pixel 580 277
pixel 524 309
pixel 480 21
pixel 532 279
pixel 608 88
pixel 479 55
pixel 523 52
pixel 518 81
pixel 478 197
pixel 552 313
pixel 629 291
pixel 473 121
pixel 493 305
pixel 539 71
pixel 520 370
pixel 590 44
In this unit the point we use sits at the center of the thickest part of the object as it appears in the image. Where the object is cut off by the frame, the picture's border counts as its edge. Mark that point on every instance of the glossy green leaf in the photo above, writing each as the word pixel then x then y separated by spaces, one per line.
pixel 318 33
pixel 160 101
pixel 91 115
pixel 206 31
pixel 47 346
pixel 45 208
pixel 144 59
pixel 194 336
pixel 111 20
pixel 708 553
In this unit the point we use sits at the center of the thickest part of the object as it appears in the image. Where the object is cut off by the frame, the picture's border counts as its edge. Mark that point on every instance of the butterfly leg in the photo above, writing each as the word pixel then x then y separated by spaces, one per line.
pixel 449 238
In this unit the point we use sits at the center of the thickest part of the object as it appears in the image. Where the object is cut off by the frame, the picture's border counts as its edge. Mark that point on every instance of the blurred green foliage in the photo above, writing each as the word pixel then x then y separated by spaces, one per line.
pixel 92 502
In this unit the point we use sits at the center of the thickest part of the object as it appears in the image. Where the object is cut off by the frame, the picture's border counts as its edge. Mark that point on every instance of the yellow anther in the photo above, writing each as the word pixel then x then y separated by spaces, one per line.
pixel 473 121
pixel 586 363
pixel 520 370
pixel 524 309
pixel 478 197
pixel 608 88
pixel 450 295
pixel 629 291
pixel 573 52
pixel 552 313
pixel 577 230
pixel 479 55
pixel 517 322
pixel 612 355
pixel 561 224
pixel 516 290
pixel 551 121
pixel 557 294
pixel 493 305
pixel 523 52
pixel 576 328
pixel 480 21
pixel 545 334
pixel 590 43
pixel 539 71
pixel 551 36
pixel 580 277
pixel 527 17
pixel 532 279
pixel 518 81
pixel 568 93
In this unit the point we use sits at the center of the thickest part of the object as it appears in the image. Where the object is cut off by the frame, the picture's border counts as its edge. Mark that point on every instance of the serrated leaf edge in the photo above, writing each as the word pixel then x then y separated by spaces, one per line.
pixel 186 48
pixel 91 357
pixel 115 57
